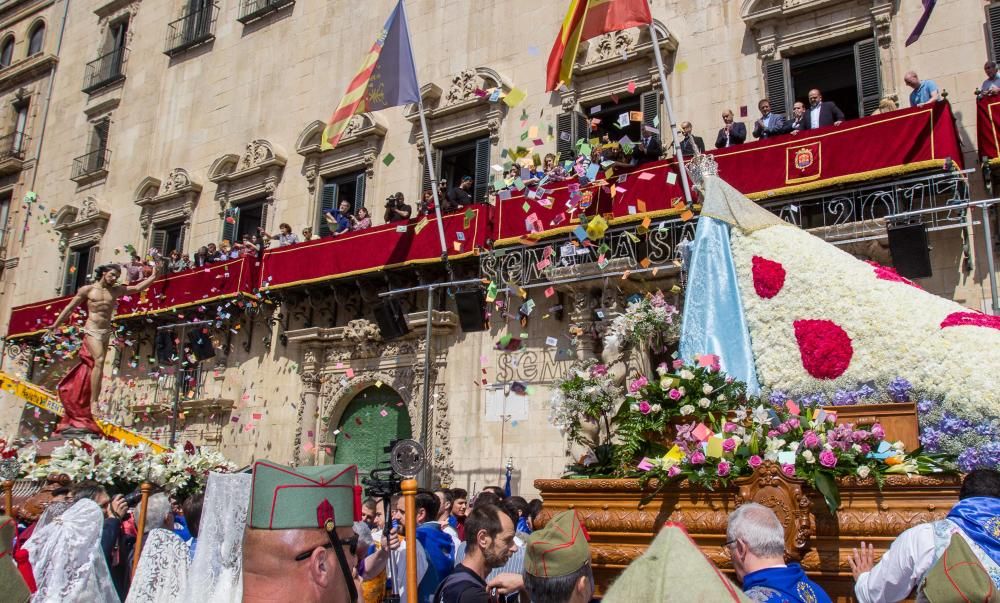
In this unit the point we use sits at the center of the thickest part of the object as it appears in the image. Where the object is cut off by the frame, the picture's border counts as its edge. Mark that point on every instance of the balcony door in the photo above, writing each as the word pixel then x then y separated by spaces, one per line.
pixel 20 126
pixel 117 38
pixel 79 265
pixel 198 19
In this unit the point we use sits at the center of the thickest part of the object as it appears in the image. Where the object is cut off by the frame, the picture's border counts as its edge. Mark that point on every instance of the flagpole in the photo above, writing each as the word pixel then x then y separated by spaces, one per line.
pixel 670 112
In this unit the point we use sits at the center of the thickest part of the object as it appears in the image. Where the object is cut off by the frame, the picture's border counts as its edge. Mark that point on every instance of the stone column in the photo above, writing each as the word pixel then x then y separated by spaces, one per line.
pixel 305 452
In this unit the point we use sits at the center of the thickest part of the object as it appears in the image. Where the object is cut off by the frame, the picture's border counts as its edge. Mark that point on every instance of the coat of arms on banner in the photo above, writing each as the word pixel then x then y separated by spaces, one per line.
pixel 803 162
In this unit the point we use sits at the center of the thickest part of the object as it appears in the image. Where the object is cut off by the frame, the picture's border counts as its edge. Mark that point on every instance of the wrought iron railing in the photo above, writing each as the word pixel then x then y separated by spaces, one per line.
pixel 251 10
pixel 105 70
pixel 91 163
pixel 13 145
pixel 192 386
pixel 193 28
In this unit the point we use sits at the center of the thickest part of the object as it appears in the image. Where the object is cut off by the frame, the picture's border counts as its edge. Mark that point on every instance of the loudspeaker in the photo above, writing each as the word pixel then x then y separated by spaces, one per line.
pixel 391 320
pixel 911 256
pixel 471 312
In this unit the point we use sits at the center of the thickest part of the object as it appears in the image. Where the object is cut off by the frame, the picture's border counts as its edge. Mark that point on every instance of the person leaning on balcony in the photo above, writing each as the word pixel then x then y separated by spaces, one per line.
pixel 285 235
pixel 822 113
pixel 396 209
pixel 201 257
pixel 924 91
pixel 461 195
pixel 755 541
pixel 798 121
pixel 886 105
pixel 991 85
pixel 732 132
pixel 769 124
pixel 307 233
pixel 214 255
pixel 340 218
pixel 133 270
pixel 362 220
pixel 426 207
pixel 917 557
pixel 689 142
pixel 553 171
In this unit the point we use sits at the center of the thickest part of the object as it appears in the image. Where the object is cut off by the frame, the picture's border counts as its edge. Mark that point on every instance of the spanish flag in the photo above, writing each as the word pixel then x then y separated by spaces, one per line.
pixel 387 78
pixel 588 19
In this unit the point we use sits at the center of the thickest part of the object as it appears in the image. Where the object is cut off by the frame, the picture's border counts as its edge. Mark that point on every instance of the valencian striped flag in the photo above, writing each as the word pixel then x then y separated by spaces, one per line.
pixel 588 19
pixel 387 78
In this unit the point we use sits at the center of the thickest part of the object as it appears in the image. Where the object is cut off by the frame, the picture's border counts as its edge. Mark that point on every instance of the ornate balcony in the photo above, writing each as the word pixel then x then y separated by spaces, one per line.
pixel 92 166
pixel 192 29
pixel 105 70
pixel 12 151
pixel 252 10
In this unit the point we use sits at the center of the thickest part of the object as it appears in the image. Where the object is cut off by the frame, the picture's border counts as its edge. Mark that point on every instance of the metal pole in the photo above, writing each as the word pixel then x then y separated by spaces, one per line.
pixel 425 437
pixel 177 391
pixel 988 233
pixel 670 112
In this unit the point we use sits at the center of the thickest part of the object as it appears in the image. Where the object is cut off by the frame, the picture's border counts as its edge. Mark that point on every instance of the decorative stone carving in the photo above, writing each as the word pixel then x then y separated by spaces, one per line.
pixel 354 126
pixel 176 180
pixel 256 153
pixel 766 50
pixel 883 29
pixel 463 87
pixel 89 209
pixel 614 44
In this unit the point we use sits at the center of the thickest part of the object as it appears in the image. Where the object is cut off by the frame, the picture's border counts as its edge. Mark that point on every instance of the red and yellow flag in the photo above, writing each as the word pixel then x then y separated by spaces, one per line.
pixel 588 19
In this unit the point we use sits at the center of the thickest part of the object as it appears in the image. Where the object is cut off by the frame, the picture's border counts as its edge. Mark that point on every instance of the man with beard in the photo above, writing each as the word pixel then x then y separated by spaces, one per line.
pixel 489 539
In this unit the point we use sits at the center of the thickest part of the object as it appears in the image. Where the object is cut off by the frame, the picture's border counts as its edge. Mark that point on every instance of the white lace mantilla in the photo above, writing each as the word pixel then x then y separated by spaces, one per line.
pixel 162 573
pixel 216 574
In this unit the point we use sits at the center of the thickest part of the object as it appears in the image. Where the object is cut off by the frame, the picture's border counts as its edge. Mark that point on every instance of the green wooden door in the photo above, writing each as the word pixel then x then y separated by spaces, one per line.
pixel 375 417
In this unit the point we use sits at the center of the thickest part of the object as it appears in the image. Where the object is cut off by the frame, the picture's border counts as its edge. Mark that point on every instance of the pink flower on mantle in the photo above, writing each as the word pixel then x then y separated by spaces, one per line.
pixel 638 384
pixel 675 394
pixel 828 458
pixel 885 273
pixel 644 407
pixel 729 444
pixel 673 471
pixel 824 346
pixel 677 364
pixel 768 277
pixel 698 458
pixel 878 432
pixel 788 469
pixel 971 319
pixel 755 461
pixel 723 469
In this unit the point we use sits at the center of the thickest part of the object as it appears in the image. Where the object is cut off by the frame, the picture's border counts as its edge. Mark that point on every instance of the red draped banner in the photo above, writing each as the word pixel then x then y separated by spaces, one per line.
pixel 987 116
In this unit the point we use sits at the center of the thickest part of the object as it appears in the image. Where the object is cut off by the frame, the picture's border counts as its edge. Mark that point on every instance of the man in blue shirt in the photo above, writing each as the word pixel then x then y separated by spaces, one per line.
pixel 755 541
pixel 924 91
pixel 340 218
pixel 769 124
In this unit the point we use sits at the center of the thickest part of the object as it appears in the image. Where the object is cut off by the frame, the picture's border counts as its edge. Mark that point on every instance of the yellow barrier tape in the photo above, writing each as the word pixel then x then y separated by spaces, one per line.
pixel 46 400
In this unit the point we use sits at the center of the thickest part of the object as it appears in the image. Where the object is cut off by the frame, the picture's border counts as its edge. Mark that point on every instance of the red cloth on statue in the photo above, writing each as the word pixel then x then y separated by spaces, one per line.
pixel 21 557
pixel 74 394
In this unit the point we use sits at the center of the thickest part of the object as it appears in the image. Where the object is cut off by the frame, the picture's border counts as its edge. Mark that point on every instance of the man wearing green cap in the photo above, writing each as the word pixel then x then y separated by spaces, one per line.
pixel 300 544
pixel 557 562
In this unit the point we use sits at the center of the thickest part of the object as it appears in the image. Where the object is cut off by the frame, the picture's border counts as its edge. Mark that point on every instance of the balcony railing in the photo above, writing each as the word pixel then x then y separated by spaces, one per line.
pixel 105 70
pixel 192 382
pixel 194 28
pixel 91 165
pixel 251 10
pixel 12 151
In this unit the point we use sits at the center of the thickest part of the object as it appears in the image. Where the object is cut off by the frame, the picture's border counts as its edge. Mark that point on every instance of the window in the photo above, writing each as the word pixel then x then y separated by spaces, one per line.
pixel 349 187
pixel 4 216
pixel 454 162
pixel 79 266
pixel 20 126
pixel 846 74
pixel 602 119
pixel 99 142
pixel 35 39
pixel 242 219
pixel 7 52
pixel 168 237
pixel 993 23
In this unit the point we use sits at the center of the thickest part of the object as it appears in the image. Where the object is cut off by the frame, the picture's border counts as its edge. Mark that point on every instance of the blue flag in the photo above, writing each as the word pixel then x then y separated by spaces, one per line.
pixel 393 82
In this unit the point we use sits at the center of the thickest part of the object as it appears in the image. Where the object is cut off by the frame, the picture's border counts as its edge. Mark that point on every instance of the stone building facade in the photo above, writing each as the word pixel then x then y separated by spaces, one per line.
pixel 175 123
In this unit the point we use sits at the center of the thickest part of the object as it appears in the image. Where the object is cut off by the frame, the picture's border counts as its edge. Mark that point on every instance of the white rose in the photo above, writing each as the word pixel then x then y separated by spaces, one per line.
pixel 656 408
pixel 856 448
pixel 707 389
pixel 686 375
pixel 682 391
pixel 794 446
pixel 721 397
pixel 634 408
pixel 686 410
pixel 808 456
pixel 863 471
pixel 899 447
pixel 704 403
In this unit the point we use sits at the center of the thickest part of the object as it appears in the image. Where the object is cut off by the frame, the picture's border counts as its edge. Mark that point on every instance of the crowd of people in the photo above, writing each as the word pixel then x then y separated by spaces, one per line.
pixel 304 534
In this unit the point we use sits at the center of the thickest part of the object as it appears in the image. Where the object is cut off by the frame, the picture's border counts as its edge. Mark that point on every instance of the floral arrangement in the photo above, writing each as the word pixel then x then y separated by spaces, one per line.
pixel 589 395
pixel 974 441
pixel 649 320
pixel 122 468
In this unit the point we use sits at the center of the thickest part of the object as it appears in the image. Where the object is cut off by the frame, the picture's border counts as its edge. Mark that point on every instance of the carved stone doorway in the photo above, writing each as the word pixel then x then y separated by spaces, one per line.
pixel 373 418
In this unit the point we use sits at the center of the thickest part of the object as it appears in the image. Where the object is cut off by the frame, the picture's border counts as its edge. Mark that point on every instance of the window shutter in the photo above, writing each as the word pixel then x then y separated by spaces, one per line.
pixel 359 192
pixel 993 22
pixel 649 104
pixel 482 176
pixel 564 135
pixel 327 202
pixel 69 277
pixel 229 227
pixel 89 265
pixel 101 131
pixel 158 241
pixel 181 235
pixel 425 180
pixel 866 66
pixel 776 83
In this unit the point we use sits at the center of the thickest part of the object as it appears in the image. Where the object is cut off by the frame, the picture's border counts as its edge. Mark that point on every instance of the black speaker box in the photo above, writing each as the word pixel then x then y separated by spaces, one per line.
pixel 391 320
pixel 471 310
pixel 911 256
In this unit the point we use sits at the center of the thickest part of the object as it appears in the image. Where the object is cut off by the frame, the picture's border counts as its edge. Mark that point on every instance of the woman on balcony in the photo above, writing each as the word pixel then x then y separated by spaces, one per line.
pixel 362 220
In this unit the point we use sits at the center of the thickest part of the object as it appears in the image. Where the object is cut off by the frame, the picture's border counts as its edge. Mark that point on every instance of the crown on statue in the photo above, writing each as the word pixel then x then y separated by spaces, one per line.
pixel 702 165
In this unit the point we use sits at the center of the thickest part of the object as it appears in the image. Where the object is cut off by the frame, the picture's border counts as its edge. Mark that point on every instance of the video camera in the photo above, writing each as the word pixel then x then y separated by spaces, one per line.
pixel 390 202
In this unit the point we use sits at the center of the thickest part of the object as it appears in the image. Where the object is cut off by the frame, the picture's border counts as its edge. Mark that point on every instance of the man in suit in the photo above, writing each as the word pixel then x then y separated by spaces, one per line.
pixel 648 148
pixel 732 133
pixel 769 124
pixel 798 121
pixel 689 142
pixel 821 113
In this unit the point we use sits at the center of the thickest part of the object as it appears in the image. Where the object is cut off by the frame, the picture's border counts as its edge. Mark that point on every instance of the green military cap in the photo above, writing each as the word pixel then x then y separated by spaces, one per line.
pixel 958 575
pixel 11 583
pixel 558 549
pixel 287 498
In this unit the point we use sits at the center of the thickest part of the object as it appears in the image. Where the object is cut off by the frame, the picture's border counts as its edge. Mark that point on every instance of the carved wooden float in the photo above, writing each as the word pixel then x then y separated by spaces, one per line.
pixel 621 527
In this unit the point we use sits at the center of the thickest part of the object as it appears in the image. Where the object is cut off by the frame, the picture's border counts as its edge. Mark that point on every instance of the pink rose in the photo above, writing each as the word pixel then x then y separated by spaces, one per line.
pixel 698 458
pixel 878 432
pixel 677 364
pixel 755 461
pixel 674 394
pixel 810 439
pixel 859 436
pixel 793 423
pixel 827 458
pixel 788 470
pixel 598 370
pixel 644 407
pixel 783 428
pixel 673 471
pixel 638 384
pixel 729 427
pixel 729 444
pixel 723 469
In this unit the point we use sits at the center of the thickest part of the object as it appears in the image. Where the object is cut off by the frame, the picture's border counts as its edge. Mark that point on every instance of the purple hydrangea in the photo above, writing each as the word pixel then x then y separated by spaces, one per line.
pixel 899 390
pixel 925 406
pixel 777 398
